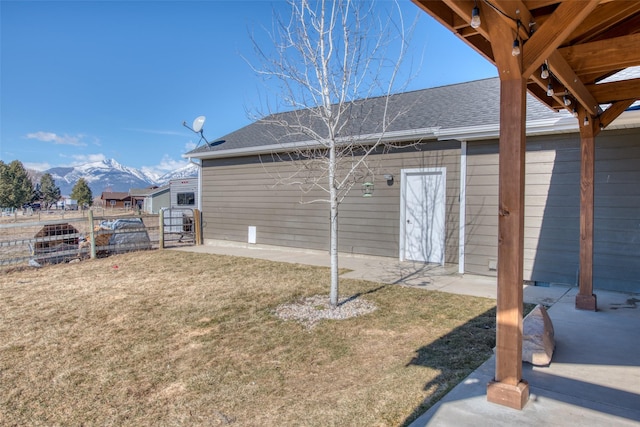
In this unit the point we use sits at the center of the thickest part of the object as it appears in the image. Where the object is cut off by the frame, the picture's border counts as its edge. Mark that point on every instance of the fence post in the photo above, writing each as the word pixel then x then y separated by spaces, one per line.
pixel 197 223
pixel 92 235
pixel 161 229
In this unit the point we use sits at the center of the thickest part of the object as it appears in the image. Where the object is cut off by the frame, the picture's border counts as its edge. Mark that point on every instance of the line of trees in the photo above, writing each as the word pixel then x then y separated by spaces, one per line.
pixel 18 190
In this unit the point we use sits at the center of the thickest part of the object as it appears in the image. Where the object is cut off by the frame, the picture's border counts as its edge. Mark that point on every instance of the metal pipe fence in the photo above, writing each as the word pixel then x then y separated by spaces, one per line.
pixel 28 239
pixel 51 238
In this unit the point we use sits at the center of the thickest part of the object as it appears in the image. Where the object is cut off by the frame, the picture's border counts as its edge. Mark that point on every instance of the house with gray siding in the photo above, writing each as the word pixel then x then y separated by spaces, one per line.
pixel 435 196
pixel 150 200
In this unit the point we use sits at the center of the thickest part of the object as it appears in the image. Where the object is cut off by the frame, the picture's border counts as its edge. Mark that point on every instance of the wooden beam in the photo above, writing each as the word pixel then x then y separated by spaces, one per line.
pixel 515 10
pixel 482 46
pixel 449 13
pixel 541 95
pixel 606 93
pixel 614 111
pixel 565 74
pixel 537 4
pixel 566 18
pixel 585 299
pixel 603 56
pixel 438 10
pixel 501 37
pixel 538 85
pixel 631 25
pixel 508 387
pixel 603 18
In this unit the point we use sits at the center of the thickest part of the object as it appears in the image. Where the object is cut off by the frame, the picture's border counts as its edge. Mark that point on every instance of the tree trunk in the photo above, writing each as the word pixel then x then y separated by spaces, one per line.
pixel 333 249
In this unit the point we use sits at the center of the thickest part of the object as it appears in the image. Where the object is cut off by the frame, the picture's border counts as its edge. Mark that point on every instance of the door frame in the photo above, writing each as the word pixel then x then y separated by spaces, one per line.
pixel 442 171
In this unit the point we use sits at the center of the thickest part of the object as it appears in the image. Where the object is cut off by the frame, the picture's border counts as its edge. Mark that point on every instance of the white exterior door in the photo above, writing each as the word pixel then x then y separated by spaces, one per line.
pixel 423 215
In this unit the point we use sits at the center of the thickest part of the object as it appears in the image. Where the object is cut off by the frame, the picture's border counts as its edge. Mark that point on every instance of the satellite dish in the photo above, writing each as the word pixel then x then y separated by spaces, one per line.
pixel 198 123
pixel 197 128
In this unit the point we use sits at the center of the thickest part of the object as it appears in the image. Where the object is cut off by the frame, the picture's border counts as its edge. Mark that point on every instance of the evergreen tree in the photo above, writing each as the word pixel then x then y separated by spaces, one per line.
pixel 49 192
pixel 16 188
pixel 82 193
pixel 37 194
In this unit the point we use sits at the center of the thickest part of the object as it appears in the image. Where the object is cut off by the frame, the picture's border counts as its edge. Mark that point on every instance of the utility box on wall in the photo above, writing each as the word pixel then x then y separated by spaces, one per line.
pixel 252 238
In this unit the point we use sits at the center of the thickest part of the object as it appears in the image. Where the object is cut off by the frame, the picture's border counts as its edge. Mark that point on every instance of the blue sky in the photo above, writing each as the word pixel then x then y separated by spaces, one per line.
pixel 90 80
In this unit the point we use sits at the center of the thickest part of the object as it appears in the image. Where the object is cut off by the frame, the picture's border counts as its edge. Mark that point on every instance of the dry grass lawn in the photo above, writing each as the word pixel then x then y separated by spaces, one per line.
pixel 174 338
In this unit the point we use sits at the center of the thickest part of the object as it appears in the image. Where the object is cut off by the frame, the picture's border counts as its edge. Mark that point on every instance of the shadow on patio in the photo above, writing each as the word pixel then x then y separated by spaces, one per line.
pixel 593 379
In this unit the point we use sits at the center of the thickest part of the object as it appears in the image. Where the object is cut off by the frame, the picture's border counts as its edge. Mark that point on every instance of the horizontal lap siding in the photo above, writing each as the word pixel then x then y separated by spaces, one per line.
pixel 552 209
pixel 242 193
pixel 617 212
pixel 551 196
pixel 238 193
pixel 482 207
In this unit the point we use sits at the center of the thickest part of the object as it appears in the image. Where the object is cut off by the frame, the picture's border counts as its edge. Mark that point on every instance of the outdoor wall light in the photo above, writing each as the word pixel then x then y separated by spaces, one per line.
pixel 389 179
pixel 367 189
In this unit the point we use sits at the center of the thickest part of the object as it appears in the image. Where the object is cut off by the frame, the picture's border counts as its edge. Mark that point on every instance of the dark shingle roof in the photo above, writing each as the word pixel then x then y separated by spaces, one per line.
pixel 466 104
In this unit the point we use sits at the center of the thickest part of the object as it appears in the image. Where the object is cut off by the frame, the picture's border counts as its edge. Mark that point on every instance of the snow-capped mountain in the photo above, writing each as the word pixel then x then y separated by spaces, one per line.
pixel 109 175
pixel 184 172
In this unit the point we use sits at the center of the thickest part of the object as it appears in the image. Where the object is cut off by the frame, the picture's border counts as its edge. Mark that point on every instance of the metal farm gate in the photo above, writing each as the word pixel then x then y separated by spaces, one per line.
pixel 180 227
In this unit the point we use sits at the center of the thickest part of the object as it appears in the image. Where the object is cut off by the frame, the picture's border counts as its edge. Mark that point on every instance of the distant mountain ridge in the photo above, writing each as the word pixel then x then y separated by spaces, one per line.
pixel 109 175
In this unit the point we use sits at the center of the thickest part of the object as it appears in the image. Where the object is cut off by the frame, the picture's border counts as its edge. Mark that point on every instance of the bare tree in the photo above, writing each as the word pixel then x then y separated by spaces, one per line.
pixel 330 58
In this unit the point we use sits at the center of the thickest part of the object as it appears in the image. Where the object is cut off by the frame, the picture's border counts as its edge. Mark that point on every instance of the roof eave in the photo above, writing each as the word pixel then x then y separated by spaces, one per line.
pixel 565 124
pixel 557 125
pixel 395 136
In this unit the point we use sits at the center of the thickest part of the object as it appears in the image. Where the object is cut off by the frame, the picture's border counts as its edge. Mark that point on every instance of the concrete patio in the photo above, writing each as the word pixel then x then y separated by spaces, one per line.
pixel 593 378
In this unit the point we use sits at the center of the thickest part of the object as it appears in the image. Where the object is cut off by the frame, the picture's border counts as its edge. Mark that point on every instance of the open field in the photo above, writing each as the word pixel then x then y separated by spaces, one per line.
pixel 21 215
pixel 176 338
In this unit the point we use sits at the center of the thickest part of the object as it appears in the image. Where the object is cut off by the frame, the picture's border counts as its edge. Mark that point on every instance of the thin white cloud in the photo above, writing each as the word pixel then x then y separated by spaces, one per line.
pixel 58 139
pixel 41 167
pixel 156 132
pixel 167 164
pixel 81 159
pixel 190 146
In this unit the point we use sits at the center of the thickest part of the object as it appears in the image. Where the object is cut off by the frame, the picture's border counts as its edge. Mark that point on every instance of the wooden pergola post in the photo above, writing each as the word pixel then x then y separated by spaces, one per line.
pixel 508 388
pixel 589 128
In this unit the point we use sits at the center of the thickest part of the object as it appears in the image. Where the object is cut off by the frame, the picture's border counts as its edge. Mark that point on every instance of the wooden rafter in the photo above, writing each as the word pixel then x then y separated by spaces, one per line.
pixel 611 113
pixel 554 31
pixel 583 41
pixel 606 93
pixel 563 71
pixel 604 18
pixel 595 57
